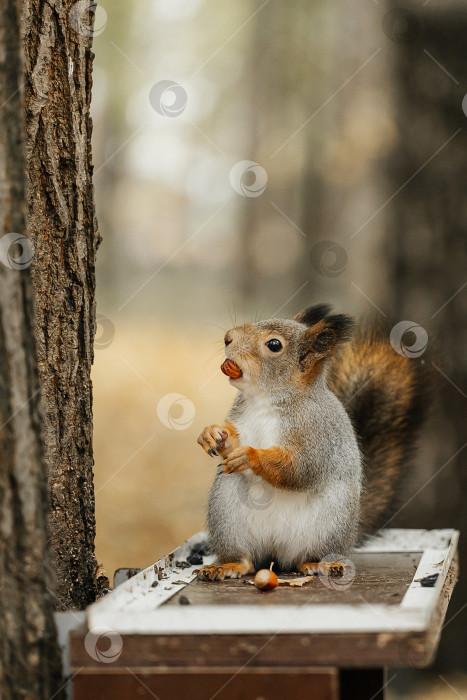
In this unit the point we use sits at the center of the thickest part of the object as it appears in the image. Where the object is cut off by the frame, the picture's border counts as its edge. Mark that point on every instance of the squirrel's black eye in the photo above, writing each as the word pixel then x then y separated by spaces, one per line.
pixel 274 345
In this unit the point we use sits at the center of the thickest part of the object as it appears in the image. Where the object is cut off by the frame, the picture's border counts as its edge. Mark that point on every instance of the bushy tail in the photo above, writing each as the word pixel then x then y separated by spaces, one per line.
pixel 386 396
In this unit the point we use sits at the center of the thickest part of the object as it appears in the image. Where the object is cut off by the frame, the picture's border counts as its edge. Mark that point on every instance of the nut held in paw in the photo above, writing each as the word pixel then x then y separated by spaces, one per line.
pixel 231 369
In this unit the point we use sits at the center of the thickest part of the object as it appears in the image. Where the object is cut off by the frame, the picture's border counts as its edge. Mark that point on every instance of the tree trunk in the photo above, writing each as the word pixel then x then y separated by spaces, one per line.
pixel 29 661
pixel 426 256
pixel 62 224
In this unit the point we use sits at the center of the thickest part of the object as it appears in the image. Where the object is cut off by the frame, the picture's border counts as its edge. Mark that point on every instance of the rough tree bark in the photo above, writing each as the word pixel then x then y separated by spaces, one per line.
pixel 29 661
pixel 62 224
pixel 426 256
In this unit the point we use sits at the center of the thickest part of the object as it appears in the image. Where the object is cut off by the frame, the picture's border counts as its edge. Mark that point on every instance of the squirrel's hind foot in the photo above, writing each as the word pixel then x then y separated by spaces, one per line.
pixel 218 572
pixel 325 568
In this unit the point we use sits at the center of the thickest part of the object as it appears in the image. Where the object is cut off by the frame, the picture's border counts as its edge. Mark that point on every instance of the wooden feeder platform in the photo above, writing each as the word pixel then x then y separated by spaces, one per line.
pixel 164 634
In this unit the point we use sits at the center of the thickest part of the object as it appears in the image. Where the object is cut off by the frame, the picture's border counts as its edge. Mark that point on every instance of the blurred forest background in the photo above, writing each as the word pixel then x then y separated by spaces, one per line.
pixel 352 117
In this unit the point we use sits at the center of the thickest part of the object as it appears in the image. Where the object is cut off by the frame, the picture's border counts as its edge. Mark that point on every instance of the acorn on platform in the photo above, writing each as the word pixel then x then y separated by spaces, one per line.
pixel 266 579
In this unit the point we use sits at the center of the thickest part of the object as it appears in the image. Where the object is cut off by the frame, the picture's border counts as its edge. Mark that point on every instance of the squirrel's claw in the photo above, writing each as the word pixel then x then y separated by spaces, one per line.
pixel 237 461
pixel 211 573
pixel 212 439
pixel 218 572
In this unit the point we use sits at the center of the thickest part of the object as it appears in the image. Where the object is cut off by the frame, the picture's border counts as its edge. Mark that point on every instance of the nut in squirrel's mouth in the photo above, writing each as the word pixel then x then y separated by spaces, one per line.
pixel 231 369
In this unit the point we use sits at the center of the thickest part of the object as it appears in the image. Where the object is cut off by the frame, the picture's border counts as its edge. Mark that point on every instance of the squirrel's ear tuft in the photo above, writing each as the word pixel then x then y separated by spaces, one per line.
pixel 313 314
pixel 342 325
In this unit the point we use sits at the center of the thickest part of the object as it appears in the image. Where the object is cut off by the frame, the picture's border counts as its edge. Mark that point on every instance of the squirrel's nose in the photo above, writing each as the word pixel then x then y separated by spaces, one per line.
pixel 227 339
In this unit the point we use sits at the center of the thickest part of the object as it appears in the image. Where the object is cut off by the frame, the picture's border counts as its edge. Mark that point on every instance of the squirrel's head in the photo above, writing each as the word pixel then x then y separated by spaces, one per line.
pixel 277 353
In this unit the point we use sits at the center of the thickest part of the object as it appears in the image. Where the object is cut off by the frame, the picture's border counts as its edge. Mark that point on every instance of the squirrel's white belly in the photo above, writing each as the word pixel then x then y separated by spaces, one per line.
pixel 287 525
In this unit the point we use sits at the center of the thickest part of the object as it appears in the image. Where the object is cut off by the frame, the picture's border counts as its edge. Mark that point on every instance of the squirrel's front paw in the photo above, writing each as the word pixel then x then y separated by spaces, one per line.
pixel 213 439
pixel 240 459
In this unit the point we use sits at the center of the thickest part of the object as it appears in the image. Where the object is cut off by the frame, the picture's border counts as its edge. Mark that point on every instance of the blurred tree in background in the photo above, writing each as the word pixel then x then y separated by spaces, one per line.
pixel 425 256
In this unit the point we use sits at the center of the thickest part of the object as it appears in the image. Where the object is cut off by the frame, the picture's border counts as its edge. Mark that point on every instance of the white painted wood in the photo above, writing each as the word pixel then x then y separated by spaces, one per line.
pixel 135 606
pixel 65 622
pixel 418 596
pixel 401 540
pixel 138 594
pixel 280 619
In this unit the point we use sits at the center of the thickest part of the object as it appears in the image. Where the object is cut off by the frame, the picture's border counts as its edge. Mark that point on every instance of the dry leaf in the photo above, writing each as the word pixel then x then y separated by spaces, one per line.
pixel 299 581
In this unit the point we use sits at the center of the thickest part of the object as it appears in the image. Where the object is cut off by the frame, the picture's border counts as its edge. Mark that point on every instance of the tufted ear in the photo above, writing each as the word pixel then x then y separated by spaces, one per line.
pixel 319 340
pixel 313 314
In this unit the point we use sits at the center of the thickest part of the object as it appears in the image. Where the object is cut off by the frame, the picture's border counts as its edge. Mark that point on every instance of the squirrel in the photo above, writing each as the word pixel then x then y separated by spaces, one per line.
pixel 316 444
